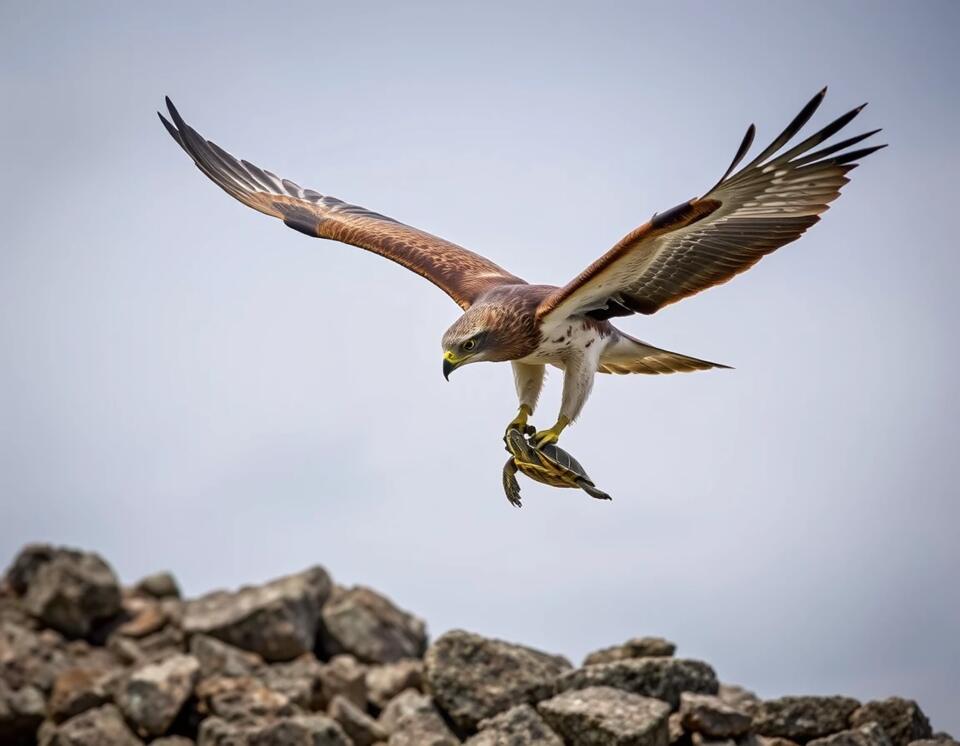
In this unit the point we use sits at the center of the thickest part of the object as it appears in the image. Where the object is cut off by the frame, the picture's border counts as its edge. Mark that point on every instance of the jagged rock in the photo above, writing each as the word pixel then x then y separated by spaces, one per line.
pixel 28 657
pixel 698 739
pixel 739 698
pixel 518 726
pixel 238 698
pixel 386 681
pixel 938 739
pixel 65 589
pixel 103 726
pixel 172 741
pixel 362 729
pixel 343 675
pixel 155 693
pixel 710 716
pixel 803 719
pixel 662 678
pixel 902 719
pixel 871 734
pixel 297 730
pixel 26 564
pixel 278 620
pixel 77 690
pixel 604 716
pixel 473 677
pixel 144 617
pixel 159 585
pixel 772 741
pixel 21 712
pixel 217 658
pixel 636 647
pixel 411 719
pixel 677 735
pixel 370 627
pixel 301 681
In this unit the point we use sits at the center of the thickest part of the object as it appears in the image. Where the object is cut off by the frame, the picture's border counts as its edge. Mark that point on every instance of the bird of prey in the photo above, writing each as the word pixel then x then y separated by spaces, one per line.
pixel 705 241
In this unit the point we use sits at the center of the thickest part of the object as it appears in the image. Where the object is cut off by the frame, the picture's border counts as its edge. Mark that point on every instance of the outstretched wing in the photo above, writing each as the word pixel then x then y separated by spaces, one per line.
pixel 768 203
pixel 460 273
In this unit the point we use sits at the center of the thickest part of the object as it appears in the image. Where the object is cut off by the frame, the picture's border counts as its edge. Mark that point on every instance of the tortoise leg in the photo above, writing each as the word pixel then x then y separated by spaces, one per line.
pixel 510 485
pixel 591 490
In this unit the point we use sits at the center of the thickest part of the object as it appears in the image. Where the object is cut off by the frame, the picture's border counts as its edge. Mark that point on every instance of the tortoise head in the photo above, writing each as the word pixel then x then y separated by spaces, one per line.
pixel 519 447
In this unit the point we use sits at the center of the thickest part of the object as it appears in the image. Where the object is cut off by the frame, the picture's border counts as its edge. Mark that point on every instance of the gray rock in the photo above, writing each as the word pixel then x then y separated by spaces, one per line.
pixel 301 681
pixel 297 730
pixel 217 658
pixel 662 678
pixel 172 741
pixel 803 719
pixel 604 716
pixel 710 716
pixel 154 694
pixel 370 627
pixel 21 712
pixel 675 729
pixel 739 698
pixel 938 739
pixel 698 739
pixel 103 726
pixel 362 729
pixel 386 681
pixel 902 719
pixel 636 647
pixel 159 585
pixel 239 698
pixel 343 675
pixel 143 617
pixel 412 720
pixel 518 726
pixel 77 690
pixel 28 657
pixel 473 677
pixel 770 741
pixel 278 620
pixel 871 734
pixel 407 702
pixel 65 589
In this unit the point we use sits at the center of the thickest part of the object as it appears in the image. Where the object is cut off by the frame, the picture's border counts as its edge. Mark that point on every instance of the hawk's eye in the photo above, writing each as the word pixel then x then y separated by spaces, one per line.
pixel 469 344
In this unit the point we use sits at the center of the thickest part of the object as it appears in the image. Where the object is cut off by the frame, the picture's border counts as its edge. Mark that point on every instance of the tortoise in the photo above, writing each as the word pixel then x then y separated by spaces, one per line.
pixel 547 464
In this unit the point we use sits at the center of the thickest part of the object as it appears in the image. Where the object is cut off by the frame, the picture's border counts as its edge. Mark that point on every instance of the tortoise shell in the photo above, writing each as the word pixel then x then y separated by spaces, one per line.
pixel 548 464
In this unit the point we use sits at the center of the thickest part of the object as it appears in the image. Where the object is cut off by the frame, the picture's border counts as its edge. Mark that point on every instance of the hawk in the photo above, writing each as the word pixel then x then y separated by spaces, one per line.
pixel 705 241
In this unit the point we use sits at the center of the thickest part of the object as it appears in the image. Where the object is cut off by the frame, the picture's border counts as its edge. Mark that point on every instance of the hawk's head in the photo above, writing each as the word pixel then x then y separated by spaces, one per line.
pixel 480 334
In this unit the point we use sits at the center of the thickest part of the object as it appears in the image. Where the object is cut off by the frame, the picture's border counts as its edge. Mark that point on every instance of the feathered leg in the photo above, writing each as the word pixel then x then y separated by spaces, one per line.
pixel 529 382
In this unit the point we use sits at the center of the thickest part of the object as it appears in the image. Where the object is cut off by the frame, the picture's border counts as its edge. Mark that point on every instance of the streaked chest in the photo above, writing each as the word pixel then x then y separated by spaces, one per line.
pixel 571 337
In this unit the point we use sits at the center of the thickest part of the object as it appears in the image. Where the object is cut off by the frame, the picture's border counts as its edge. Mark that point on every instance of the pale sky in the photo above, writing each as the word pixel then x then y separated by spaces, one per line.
pixel 188 385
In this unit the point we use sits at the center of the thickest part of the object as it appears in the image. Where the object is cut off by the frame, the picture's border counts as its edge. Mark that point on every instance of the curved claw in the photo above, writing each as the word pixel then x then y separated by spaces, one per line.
pixel 545 437
pixel 520 421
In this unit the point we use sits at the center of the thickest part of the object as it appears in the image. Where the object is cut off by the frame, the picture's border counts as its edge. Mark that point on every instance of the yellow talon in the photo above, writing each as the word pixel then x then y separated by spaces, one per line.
pixel 520 421
pixel 546 437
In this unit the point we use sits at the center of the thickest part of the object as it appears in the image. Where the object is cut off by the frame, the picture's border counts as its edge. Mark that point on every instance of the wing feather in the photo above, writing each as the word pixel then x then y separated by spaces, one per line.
pixel 767 204
pixel 461 274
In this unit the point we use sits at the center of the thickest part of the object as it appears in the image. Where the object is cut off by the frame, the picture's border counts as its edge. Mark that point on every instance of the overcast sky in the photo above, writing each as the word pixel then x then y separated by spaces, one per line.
pixel 186 384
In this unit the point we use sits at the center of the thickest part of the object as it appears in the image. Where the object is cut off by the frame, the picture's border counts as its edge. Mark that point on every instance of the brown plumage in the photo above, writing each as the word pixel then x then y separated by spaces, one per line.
pixel 703 242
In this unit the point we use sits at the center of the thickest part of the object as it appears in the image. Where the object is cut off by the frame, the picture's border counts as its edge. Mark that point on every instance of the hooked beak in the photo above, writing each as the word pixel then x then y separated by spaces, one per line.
pixel 450 363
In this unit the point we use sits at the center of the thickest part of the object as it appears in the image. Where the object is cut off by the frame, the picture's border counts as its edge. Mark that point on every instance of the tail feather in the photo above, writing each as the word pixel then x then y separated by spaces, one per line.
pixel 629 355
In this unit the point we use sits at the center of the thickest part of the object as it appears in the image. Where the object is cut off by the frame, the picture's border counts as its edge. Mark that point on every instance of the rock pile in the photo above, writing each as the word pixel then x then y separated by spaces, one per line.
pixel 300 661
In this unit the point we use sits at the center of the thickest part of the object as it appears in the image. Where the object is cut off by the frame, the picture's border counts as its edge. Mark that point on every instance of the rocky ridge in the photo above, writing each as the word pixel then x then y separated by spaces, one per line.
pixel 301 661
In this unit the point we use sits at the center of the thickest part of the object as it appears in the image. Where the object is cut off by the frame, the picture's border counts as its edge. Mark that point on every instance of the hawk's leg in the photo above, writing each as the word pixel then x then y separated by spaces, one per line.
pixel 529 381
pixel 579 368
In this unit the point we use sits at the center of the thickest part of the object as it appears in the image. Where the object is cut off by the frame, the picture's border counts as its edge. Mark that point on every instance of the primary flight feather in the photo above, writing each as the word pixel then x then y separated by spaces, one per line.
pixel 705 241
